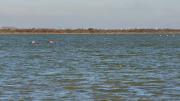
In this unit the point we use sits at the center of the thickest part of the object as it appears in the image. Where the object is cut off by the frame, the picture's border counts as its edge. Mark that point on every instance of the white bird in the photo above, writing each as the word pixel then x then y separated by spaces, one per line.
pixel 33 42
pixel 50 41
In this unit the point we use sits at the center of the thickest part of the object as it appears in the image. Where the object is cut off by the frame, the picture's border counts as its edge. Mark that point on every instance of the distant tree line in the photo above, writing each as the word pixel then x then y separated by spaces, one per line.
pixel 81 30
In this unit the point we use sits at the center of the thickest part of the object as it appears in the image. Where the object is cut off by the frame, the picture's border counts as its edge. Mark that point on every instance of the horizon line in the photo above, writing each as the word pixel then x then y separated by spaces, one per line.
pixel 121 28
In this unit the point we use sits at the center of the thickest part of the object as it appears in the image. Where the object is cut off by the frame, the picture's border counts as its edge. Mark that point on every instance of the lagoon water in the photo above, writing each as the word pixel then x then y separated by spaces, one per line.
pixel 90 68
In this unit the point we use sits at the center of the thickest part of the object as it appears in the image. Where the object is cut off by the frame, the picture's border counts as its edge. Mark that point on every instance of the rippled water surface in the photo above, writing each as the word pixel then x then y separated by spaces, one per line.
pixel 90 67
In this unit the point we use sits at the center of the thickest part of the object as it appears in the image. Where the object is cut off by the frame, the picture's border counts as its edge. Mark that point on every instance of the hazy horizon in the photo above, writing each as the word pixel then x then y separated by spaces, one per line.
pixel 86 14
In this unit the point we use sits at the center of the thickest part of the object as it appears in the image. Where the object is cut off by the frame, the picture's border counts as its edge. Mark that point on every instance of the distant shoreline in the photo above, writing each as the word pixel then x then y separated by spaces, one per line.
pixel 87 31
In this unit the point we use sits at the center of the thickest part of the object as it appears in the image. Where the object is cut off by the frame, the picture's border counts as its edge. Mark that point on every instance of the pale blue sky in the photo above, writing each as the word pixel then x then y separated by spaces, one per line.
pixel 90 13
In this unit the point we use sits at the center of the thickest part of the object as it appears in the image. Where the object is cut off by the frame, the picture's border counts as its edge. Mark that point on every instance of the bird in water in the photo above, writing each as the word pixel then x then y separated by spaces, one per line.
pixel 33 42
pixel 51 41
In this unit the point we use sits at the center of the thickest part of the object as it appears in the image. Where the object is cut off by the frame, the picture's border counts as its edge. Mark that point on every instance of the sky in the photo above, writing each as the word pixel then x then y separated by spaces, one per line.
pixel 90 13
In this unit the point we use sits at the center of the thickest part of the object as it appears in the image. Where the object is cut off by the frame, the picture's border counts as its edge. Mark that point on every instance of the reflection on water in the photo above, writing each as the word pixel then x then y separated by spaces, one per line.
pixel 90 67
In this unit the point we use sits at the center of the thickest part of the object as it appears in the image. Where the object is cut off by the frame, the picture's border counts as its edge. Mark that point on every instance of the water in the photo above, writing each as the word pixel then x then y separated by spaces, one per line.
pixel 90 67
